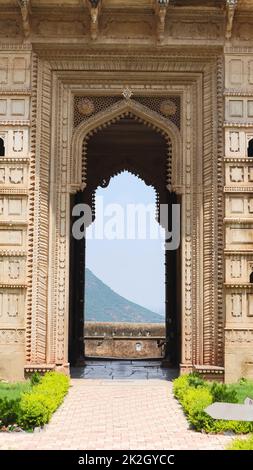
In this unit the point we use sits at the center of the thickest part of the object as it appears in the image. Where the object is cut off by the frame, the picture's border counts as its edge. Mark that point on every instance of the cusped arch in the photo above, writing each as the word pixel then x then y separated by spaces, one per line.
pixel 114 113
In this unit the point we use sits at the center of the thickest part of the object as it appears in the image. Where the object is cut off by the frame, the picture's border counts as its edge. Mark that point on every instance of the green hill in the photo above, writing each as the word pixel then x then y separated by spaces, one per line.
pixel 104 305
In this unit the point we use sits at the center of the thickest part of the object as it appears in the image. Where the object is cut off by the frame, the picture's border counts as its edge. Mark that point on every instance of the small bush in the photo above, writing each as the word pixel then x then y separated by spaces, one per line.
pixel 35 379
pixel 195 394
pixel 223 393
pixel 195 380
pixel 9 409
pixel 242 444
pixel 37 407
pixel 194 401
pixel 180 385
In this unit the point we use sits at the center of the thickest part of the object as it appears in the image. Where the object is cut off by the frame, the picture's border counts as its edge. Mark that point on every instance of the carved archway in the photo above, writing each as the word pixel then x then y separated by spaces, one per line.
pixel 123 108
pixel 158 174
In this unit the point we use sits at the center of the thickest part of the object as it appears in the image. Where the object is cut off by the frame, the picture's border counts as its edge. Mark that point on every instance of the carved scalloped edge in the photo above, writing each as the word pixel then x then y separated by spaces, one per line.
pixel 13 191
pixel 24 46
pixel 236 92
pixel 118 110
pixel 238 189
pixel 228 124
pixel 9 285
pixel 7 252
pixel 141 120
pixel 41 368
pixel 238 160
pixel 16 91
pixel 14 160
pixel 219 346
pixel 209 219
pixel 209 370
pixel 30 231
pixel 8 122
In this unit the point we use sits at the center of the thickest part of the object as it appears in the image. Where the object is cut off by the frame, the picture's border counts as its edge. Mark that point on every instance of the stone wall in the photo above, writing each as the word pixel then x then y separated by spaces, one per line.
pixel 124 340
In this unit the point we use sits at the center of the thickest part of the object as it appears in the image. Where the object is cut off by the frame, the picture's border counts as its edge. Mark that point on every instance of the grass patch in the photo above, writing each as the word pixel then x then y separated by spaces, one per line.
pixel 243 389
pixel 12 391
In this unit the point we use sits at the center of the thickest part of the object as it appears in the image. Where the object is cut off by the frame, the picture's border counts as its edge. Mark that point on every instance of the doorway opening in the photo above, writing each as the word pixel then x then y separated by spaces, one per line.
pixel 124 307
pixel 127 145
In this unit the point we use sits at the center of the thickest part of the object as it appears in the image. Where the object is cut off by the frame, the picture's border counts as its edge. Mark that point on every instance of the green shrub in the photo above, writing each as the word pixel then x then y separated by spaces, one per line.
pixel 180 385
pixel 195 380
pixel 9 409
pixel 35 410
pixel 195 394
pixel 35 379
pixel 223 393
pixel 37 406
pixel 242 444
pixel 194 401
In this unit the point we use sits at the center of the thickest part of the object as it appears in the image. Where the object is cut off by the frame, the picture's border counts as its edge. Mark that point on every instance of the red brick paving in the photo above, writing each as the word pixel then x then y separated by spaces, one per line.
pixel 102 414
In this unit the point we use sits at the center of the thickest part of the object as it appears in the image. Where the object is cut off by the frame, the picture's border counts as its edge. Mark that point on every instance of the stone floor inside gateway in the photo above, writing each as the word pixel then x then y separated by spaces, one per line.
pixel 117 414
pixel 123 369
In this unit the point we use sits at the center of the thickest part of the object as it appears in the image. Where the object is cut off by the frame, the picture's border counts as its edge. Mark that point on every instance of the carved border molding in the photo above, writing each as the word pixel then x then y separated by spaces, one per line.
pixel 57 84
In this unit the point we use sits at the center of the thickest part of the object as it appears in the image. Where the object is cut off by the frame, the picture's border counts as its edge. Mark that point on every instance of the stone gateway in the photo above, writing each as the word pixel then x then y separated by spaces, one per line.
pixel 76 78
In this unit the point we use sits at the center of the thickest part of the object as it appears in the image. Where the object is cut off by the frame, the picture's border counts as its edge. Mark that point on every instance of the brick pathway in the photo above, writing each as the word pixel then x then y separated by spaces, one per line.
pixel 116 414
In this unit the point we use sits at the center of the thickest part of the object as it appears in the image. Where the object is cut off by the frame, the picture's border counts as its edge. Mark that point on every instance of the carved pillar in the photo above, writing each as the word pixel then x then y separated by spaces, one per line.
pixel 14 207
pixel 238 189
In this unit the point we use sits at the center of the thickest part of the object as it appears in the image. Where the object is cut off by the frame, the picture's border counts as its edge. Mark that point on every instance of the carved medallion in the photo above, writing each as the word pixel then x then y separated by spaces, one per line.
pixel 86 107
pixel 168 108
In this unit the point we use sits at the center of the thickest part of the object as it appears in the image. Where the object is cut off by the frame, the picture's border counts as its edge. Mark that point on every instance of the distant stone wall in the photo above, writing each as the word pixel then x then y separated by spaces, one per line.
pixel 124 340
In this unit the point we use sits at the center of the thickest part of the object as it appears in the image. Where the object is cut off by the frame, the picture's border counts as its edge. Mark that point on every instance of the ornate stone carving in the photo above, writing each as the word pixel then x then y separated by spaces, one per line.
pixel 160 7
pixel 168 108
pixel 231 7
pixel 94 7
pixel 86 106
pixel 25 7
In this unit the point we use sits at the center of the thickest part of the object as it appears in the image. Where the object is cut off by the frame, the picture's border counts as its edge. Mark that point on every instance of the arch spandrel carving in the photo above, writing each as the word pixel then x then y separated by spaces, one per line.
pixel 114 113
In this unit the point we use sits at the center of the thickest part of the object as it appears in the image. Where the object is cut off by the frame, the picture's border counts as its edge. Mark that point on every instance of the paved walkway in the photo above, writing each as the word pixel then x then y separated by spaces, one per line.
pixel 116 414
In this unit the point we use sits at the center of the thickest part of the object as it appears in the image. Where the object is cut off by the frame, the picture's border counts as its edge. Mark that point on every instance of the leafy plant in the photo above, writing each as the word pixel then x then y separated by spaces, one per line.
pixel 195 394
pixel 195 380
pixel 9 409
pixel 37 406
pixel 35 378
pixel 242 444
pixel 223 393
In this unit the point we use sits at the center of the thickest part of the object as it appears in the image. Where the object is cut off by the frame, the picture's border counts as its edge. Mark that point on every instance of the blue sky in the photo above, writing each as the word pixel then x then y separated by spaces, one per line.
pixel 132 268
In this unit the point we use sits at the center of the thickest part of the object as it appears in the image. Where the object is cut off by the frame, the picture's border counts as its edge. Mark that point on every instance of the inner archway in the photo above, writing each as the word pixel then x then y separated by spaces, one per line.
pixel 126 144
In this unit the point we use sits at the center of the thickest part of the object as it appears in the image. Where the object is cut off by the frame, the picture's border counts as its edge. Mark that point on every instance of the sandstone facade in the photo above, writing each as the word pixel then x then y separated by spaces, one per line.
pixel 197 55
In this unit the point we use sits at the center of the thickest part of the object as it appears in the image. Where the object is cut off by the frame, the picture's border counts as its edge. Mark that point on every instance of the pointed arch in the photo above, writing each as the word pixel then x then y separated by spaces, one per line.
pixel 119 110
